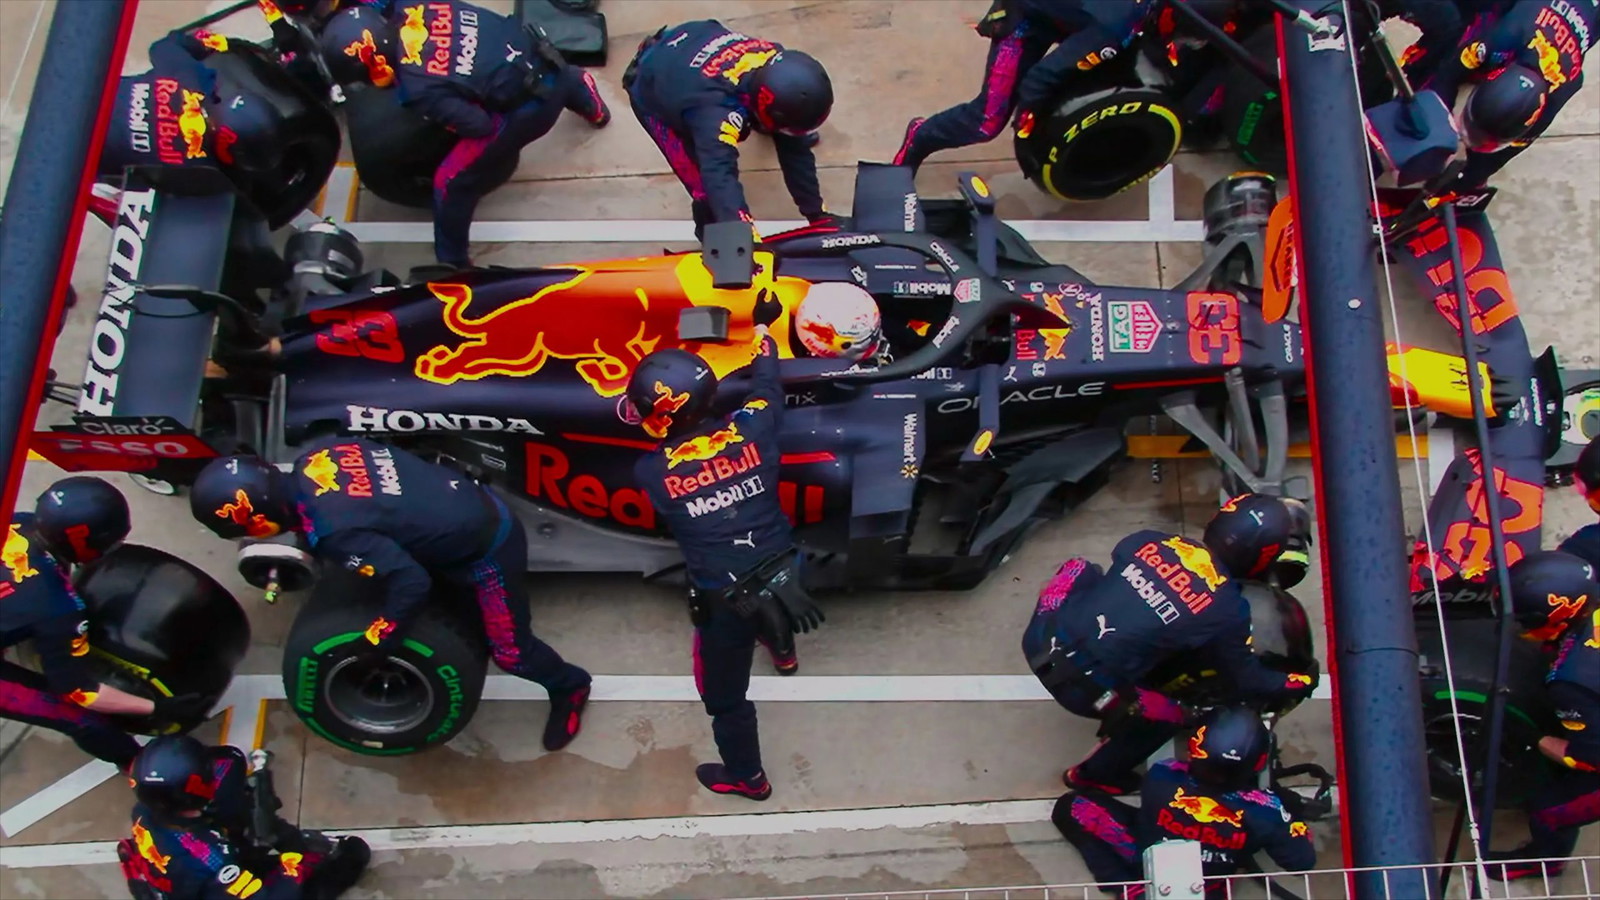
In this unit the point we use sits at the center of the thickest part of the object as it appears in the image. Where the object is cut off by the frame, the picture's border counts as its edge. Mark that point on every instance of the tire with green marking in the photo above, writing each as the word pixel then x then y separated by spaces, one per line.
pixel 1528 715
pixel 421 695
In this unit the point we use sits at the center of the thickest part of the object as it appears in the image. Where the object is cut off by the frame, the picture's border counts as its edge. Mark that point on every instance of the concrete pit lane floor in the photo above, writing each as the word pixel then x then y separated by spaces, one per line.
pixel 914 751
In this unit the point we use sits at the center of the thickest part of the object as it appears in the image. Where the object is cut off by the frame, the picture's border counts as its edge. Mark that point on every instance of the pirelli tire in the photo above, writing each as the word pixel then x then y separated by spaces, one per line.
pixel 1528 717
pixel 396 151
pixel 420 696
pixel 1098 144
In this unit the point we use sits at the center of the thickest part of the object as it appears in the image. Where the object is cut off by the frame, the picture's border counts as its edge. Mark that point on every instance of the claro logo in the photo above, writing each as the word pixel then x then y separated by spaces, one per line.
pixel 108 343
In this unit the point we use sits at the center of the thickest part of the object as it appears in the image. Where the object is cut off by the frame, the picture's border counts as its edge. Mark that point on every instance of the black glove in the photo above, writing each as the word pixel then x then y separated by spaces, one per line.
pixel 803 614
pixel 181 708
pixel 827 219
pixel 768 309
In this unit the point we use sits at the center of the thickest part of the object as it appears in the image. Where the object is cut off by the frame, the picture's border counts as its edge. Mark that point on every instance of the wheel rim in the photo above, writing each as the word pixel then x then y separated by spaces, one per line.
pixel 383 697
pixel 1444 764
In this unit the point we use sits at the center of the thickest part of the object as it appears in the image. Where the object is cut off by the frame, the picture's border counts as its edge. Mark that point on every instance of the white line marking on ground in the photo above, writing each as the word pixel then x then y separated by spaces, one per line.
pixel 1007 812
pixel 246 692
pixel 1163 204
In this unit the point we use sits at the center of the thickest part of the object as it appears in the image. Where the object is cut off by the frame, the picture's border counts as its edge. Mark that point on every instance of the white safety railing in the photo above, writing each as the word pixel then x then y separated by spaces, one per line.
pixel 1176 862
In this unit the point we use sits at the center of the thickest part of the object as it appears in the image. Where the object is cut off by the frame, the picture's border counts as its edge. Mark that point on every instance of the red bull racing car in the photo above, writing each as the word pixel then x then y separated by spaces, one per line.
pixel 1002 401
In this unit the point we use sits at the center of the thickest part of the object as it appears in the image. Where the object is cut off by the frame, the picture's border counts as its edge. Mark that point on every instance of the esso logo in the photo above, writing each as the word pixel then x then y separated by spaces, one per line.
pixel 170 449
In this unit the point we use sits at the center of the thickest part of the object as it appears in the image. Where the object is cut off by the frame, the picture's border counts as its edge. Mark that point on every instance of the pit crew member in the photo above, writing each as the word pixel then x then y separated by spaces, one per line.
pixel 496 84
pixel 714 479
pixel 1023 75
pixel 1556 601
pixel 1095 634
pixel 1585 542
pixel 1524 61
pixel 400 521
pixel 192 834
pixel 1213 798
pixel 699 89
pixel 76 520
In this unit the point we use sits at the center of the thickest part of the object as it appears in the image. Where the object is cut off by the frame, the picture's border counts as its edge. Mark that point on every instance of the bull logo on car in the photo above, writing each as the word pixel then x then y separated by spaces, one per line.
pixel 15 556
pixel 1206 810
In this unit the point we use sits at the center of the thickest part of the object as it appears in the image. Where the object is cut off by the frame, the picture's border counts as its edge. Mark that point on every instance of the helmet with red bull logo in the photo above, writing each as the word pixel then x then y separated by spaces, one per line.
pixel 791 94
pixel 1503 108
pixel 172 776
pixel 81 518
pixel 1228 748
pixel 1248 533
pixel 359 46
pixel 243 496
pixel 671 390
pixel 250 132
pixel 837 320
pixel 1549 591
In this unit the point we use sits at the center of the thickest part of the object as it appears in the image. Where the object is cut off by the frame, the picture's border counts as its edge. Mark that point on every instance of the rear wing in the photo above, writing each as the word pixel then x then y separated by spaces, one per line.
pixel 138 406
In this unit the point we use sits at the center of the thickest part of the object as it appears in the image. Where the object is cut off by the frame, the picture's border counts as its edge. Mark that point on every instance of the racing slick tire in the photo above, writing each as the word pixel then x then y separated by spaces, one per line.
pixel 422 695
pixel 1252 112
pixel 1528 716
pixel 1101 143
pixel 309 141
pixel 159 627
pixel 396 150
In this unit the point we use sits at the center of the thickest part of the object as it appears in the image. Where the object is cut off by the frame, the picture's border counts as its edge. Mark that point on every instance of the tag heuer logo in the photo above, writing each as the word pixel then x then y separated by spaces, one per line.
pixel 1134 326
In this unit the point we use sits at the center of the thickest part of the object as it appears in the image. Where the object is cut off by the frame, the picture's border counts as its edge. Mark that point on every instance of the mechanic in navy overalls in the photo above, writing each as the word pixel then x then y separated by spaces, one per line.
pixel 1095 635
pixel 714 480
pixel 699 89
pixel 192 836
pixel 76 520
pixel 1556 600
pixel 1023 75
pixel 496 84
pixel 387 515
pixel 1214 798
pixel 1525 61
pixel 1585 542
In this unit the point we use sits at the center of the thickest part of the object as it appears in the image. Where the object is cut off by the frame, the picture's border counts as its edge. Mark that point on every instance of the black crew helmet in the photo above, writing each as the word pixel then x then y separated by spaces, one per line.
pixel 1229 748
pixel 172 776
pixel 671 390
pixel 790 94
pixel 81 518
pixel 242 496
pixel 359 47
pixel 1503 107
pixel 1549 591
pixel 1586 473
pixel 250 132
pixel 1248 533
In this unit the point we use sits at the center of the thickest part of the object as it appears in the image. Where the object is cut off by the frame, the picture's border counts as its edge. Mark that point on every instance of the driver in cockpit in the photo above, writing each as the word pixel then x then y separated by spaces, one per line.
pixel 835 320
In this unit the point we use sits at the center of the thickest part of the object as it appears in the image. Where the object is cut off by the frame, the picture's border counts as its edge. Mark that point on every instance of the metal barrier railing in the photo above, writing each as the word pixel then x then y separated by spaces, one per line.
pixel 1578 878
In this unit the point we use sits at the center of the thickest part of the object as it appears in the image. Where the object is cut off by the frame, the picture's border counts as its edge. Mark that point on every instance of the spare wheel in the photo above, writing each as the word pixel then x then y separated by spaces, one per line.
pixel 1098 144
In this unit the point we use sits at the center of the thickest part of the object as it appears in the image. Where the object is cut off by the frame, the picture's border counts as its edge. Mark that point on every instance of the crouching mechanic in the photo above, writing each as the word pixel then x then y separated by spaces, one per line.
pixel 1525 61
pixel 714 479
pixel 496 84
pixel 699 89
pixel 193 834
pixel 1585 542
pixel 76 520
pixel 1556 601
pixel 1094 635
pixel 387 515
pixel 1214 798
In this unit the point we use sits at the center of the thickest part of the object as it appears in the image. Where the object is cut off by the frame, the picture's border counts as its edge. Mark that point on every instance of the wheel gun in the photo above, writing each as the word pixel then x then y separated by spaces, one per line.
pixel 264 802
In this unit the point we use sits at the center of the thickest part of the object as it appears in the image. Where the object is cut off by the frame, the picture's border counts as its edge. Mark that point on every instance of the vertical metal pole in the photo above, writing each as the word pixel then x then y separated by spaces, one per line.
pixel 1387 817
pixel 46 201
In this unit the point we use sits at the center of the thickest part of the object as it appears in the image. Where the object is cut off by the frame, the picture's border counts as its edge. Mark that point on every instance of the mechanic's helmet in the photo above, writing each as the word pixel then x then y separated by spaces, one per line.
pixel 837 320
pixel 1289 569
pixel 250 132
pixel 81 518
pixel 359 47
pixel 1503 108
pixel 172 776
pixel 1229 748
pixel 1549 590
pixel 242 496
pixel 671 390
pixel 791 94
pixel 1586 474
pixel 1248 533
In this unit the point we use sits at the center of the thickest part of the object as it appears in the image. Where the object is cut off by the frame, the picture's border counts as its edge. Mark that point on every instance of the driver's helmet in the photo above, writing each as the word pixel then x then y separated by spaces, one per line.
pixel 1586 474
pixel 172 775
pixel 358 45
pixel 250 132
pixel 838 320
pixel 1229 748
pixel 671 390
pixel 1550 590
pixel 1503 108
pixel 790 95
pixel 243 496
pixel 81 518
pixel 1248 533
